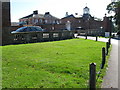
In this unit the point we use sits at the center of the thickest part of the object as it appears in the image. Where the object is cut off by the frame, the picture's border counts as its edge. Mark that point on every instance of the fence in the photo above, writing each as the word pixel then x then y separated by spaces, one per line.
pixel 31 37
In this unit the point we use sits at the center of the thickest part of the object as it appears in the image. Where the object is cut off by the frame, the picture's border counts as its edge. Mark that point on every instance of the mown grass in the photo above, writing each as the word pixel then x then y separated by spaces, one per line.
pixel 59 64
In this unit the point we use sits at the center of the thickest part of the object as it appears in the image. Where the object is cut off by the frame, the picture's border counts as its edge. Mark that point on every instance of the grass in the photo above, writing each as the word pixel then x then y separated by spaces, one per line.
pixel 59 64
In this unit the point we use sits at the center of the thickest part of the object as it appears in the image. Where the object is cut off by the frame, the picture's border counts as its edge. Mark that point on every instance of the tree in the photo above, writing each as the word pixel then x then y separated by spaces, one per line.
pixel 115 7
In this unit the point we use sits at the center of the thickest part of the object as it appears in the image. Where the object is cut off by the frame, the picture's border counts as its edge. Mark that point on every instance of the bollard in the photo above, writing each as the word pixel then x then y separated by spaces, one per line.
pixel 96 38
pixel 107 47
pixel 85 36
pixel 109 41
pixel 103 58
pixel 92 81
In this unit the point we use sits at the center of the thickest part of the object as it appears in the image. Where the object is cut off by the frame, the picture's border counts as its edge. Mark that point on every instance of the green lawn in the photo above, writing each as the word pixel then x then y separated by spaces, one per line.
pixel 58 64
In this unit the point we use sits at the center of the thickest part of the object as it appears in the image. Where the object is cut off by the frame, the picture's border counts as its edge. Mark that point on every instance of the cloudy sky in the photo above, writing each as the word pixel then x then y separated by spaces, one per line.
pixel 58 8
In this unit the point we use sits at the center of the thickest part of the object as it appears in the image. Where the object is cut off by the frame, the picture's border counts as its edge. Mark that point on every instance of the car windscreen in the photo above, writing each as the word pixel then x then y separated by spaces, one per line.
pixel 22 29
pixel 39 29
pixel 29 29
pixel 35 29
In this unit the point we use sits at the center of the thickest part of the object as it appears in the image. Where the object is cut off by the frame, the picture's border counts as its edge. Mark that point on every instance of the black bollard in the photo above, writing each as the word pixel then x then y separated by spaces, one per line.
pixel 92 81
pixel 85 36
pixel 103 58
pixel 109 41
pixel 107 48
pixel 96 38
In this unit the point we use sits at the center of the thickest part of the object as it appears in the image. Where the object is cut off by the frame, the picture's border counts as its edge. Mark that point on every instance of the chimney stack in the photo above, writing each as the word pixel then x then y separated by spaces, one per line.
pixel 46 13
pixel 35 12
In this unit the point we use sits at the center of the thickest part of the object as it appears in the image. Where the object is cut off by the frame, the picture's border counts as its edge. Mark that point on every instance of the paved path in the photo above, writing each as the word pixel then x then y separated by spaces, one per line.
pixel 111 78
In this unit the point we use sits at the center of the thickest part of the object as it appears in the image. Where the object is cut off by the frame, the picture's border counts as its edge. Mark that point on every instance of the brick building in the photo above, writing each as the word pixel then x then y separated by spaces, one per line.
pixel 39 19
pixel 50 22
pixel 84 22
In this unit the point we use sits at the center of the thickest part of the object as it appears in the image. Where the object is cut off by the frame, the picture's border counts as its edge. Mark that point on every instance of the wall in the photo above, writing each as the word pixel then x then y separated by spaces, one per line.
pixel 81 22
pixel 32 37
pixel 52 27
pixel 106 24
pixel 0 23
pixel 6 22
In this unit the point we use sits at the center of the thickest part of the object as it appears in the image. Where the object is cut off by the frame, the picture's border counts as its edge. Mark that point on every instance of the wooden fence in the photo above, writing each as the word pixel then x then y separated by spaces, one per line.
pixel 31 37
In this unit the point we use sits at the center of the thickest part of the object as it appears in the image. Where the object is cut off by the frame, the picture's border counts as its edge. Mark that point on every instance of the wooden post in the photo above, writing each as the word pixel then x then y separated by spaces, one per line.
pixel 92 81
pixel 103 58
pixel 107 47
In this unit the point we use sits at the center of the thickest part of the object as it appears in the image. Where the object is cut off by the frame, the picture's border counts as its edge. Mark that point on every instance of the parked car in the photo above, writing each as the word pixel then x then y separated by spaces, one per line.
pixel 28 29
pixel 118 33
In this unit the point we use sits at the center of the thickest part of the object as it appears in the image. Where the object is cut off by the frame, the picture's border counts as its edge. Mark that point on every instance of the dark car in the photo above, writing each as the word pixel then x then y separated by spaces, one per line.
pixel 28 29
pixel 118 33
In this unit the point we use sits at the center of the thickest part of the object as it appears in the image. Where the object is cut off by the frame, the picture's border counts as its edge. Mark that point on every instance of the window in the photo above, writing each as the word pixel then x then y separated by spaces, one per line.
pixel 60 22
pixel 36 20
pixel 53 21
pixel 46 21
pixel 45 35
pixel 32 20
pixel 55 34
pixel 40 20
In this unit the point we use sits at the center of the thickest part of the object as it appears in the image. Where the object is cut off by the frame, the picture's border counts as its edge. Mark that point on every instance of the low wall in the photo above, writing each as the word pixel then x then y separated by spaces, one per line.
pixel 32 37
pixel 92 32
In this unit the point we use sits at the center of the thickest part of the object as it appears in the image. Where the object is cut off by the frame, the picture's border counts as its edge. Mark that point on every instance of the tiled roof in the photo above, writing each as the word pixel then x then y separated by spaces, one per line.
pixel 38 16
pixel 69 16
pixel 27 16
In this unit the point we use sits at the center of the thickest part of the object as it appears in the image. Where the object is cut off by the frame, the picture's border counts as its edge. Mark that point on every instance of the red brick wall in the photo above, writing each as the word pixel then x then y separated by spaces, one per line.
pixel 106 24
pixel 80 22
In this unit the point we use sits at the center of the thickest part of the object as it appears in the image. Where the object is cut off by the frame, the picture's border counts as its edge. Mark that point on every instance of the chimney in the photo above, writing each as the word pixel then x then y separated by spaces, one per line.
pixel 76 13
pixel 35 12
pixel 46 13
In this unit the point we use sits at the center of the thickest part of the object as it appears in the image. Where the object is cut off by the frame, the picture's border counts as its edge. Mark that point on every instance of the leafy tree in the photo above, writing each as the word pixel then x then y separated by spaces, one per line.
pixel 115 7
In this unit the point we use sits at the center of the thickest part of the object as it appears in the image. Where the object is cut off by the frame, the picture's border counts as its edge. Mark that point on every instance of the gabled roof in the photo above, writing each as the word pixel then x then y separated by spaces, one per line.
pixel 69 16
pixel 27 16
pixel 38 16
pixel 47 15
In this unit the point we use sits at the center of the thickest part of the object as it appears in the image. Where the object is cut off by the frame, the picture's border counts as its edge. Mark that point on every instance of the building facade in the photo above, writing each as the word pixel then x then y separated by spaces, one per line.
pixel 39 19
pixel 69 22
pixel 84 22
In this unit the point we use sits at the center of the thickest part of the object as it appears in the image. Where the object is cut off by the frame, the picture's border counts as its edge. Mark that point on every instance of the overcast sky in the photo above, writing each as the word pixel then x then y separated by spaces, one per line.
pixel 58 8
